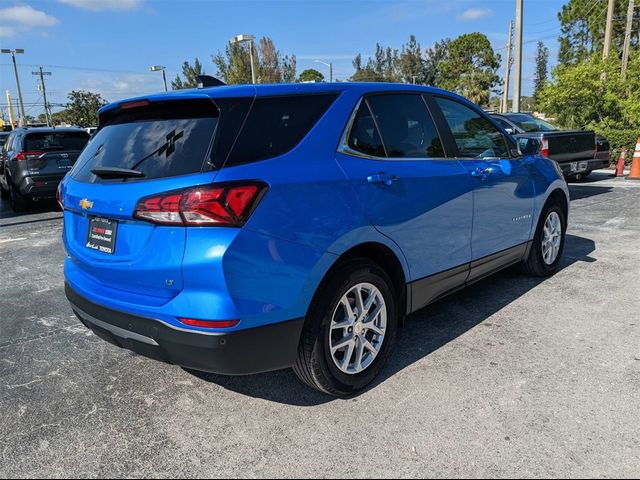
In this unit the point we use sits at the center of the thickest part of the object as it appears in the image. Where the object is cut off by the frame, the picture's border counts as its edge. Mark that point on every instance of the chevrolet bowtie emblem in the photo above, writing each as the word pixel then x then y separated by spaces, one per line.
pixel 86 204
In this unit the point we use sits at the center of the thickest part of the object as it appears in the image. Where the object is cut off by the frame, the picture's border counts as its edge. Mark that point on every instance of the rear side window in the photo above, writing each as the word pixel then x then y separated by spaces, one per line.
pixel 406 126
pixel 55 142
pixel 364 136
pixel 475 136
pixel 164 140
pixel 276 125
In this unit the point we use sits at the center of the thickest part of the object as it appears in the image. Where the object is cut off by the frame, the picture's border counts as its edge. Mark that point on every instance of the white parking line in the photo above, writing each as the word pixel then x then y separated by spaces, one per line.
pixel 12 240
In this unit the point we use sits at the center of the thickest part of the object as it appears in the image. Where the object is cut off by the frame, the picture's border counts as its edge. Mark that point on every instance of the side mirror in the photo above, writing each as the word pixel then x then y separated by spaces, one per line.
pixel 528 146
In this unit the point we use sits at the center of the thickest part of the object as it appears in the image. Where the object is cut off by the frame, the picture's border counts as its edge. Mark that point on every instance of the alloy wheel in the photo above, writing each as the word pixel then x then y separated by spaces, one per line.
pixel 551 238
pixel 358 328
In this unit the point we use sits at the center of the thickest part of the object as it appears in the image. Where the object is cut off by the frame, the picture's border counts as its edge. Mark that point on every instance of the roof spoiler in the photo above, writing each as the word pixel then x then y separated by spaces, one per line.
pixel 209 81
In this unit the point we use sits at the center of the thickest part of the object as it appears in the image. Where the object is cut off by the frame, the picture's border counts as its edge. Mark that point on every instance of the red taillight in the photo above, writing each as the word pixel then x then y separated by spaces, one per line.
pixel 209 323
pixel 226 205
pixel 28 155
pixel 544 150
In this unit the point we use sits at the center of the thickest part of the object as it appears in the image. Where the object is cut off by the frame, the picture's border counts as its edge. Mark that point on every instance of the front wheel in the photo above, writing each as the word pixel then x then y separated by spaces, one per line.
pixel 349 331
pixel 548 243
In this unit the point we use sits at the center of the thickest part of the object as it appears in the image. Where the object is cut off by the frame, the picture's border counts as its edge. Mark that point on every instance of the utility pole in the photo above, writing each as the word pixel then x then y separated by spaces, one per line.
pixel 11 114
pixel 504 106
pixel 517 81
pixel 47 113
pixel 608 33
pixel 15 70
pixel 627 39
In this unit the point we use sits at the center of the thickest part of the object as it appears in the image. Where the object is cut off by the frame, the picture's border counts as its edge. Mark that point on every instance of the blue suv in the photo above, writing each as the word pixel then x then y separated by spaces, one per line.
pixel 245 229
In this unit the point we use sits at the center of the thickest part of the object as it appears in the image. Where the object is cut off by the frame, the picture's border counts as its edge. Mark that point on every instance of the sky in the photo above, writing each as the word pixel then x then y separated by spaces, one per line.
pixel 107 46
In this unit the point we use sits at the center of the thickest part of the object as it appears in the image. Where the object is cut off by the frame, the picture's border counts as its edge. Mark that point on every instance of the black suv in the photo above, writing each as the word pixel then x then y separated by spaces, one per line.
pixel 34 161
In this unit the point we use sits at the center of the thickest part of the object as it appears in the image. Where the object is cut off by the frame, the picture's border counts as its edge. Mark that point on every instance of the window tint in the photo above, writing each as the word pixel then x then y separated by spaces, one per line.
pixel 529 123
pixel 52 141
pixel 406 126
pixel 502 122
pixel 158 145
pixel 475 136
pixel 364 136
pixel 275 125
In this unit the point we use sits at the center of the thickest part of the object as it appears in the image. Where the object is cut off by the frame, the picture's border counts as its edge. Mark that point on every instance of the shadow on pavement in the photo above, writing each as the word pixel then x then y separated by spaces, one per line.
pixel 424 332
pixel 43 206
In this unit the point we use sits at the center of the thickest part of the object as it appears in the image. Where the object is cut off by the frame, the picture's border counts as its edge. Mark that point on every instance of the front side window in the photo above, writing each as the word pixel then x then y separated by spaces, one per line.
pixel 406 127
pixel 364 136
pixel 475 136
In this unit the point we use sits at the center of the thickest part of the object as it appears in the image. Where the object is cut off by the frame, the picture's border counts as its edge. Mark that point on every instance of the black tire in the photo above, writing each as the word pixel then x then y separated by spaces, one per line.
pixel 18 201
pixel 535 264
pixel 4 194
pixel 315 366
pixel 586 174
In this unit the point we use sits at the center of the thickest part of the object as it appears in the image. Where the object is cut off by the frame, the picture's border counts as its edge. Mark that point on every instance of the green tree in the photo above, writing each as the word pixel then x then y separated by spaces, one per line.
pixel 578 96
pixel 542 70
pixel 365 73
pixel 582 27
pixel 82 109
pixel 270 64
pixel 411 64
pixel 190 74
pixel 434 57
pixel 470 67
pixel 311 75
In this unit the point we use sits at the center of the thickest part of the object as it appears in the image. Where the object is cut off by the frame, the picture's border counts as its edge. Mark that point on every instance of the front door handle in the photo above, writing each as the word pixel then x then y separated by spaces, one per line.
pixel 483 173
pixel 382 177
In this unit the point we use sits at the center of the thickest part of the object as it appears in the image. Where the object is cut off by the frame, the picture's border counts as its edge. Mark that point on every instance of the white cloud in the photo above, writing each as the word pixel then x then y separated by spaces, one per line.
pixel 101 5
pixel 475 14
pixel 22 18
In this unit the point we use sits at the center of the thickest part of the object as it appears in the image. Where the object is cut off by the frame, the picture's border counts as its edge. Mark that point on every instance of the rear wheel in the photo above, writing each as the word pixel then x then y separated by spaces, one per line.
pixel 548 243
pixel 4 194
pixel 18 201
pixel 349 331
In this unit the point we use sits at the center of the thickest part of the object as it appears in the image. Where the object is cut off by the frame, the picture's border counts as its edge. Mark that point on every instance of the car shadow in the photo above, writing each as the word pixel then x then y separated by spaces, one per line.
pixel 423 333
pixel 35 208
pixel 578 191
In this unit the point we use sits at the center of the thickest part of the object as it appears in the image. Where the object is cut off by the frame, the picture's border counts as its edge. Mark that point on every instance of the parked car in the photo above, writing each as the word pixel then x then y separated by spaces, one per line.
pixel 33 161
pixel 246 229
pixel 578 153
pixel 3 138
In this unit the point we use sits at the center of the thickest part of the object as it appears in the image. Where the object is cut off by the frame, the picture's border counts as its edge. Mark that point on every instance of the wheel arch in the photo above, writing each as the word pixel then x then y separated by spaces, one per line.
pixel 383 256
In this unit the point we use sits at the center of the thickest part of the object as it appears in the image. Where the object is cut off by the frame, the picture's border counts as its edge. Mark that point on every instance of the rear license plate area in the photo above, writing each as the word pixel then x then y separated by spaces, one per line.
pixel 102 234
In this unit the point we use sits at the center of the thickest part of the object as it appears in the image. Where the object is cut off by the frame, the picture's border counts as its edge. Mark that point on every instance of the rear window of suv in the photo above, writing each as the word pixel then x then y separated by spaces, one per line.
pixel 55 141
pixel 165 139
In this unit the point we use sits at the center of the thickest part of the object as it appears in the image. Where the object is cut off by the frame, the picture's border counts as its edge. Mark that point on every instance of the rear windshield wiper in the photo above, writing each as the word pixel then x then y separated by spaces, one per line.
pixel 114 172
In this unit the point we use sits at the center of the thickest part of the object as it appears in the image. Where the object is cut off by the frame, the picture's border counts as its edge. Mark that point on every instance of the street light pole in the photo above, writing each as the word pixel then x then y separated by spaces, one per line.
pixel 243 39
pixel 15 70
pixel 330 65
pixel 158 68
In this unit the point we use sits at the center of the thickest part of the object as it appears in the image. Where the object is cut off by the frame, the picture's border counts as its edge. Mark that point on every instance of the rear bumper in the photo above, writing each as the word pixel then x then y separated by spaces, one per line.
pixel 255 350
pixel 42 187
pixel 594 164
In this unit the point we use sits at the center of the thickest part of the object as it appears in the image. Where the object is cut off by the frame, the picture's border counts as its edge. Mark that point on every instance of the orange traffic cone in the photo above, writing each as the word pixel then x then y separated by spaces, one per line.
pixel 621 161
pixel 635 164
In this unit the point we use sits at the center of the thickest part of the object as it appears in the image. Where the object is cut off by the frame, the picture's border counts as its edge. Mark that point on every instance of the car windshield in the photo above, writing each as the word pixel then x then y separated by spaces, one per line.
pixel 56 141
pixel 529 123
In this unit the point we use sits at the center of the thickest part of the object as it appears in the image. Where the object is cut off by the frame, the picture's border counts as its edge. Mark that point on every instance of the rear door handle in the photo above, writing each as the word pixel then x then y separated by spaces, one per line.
pixel 382 177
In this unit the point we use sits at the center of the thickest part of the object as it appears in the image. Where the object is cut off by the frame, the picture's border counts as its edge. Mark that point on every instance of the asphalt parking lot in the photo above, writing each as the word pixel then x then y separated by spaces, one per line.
pixel 512 377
